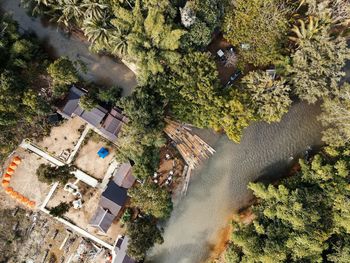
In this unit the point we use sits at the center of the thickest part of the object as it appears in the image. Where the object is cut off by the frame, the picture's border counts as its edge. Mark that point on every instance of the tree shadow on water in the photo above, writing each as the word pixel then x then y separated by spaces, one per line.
pixel 183 252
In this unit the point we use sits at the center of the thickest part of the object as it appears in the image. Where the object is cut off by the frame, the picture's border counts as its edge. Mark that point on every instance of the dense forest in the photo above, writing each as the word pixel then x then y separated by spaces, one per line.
pixel 303 41
pixel 305 218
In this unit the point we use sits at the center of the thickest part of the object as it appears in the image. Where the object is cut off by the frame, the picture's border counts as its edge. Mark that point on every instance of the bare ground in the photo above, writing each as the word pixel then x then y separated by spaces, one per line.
pixel 63 137
pixel 25 181
pixel 88 160
pixel 81 217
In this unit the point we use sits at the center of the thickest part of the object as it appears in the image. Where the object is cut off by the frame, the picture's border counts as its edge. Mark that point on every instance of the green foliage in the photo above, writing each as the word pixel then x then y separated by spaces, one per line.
pixel 143 233
pixel 199 35
pixel 22 107
pixel 316 66
pixel 87 102
pixel 111 95
pixel 259 24
pixel 152 200
pixel 60 210
pixel 336 118
pixel 63 73
pixel 49 174
pixel 126 216
pixel 304 219
pixel 269 97
pixel 141 139
pixel 194 92
pixel 232 254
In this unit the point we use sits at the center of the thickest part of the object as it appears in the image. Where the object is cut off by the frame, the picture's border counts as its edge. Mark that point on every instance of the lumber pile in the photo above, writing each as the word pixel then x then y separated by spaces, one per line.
pixel 191 147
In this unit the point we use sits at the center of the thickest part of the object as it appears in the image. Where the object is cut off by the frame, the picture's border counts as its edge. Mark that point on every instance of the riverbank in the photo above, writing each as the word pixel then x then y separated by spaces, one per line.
pixel 219 188
pixel 101 69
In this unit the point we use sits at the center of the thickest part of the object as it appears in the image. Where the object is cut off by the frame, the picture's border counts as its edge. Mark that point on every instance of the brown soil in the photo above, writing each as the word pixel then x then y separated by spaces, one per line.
pixel 220 43
pixel 24 179
pixel 175 163
pixel 62 137
pixel 88 160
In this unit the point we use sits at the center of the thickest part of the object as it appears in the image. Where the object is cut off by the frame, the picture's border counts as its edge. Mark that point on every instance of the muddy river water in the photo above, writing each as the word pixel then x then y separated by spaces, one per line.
pixel 219 187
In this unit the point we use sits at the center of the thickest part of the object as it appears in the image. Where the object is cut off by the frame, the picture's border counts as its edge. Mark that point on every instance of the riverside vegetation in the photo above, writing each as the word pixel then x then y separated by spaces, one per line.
pixel 305 41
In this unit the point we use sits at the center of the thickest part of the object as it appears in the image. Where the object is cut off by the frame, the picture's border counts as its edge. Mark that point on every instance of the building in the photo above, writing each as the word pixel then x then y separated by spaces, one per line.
pixel 119 253
pixel 107 124
pixel 102 219
pixel 111 203
pixel 123 177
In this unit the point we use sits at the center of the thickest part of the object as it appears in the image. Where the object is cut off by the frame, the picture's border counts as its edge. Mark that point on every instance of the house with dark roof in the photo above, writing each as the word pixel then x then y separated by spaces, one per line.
pixel 120 248
pixel 111 203
pixel 123 177
pixel 108 124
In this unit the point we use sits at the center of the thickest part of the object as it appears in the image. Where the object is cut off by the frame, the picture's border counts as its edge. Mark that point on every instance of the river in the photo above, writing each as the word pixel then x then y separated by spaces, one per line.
pixel 219 187
pixel 101 69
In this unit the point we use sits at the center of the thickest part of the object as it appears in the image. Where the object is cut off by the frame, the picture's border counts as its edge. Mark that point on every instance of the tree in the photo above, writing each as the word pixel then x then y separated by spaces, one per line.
pixel 303 219
pixel 257 28
pixel 141 139
pixel 195 96
pixel 87 102
pixel 111 95
pixel 60 210
pixel 98 31
pixel 143 234
pixel 316 66
pixel 199 36
pixel 152 200
pixel 270 97
pixel 63 72
pixel 50 174
pixel 335 117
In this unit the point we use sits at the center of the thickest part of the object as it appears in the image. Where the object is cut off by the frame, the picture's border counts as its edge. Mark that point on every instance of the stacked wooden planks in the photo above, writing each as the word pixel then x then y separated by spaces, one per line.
pixel 191 147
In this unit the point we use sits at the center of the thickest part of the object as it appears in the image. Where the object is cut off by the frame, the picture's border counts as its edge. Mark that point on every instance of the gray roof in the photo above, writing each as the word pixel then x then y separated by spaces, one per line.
pixel 113 198
pixel 102 219
pixel 93 117
pixel 123 176
pixel 72 102
pixel 120 250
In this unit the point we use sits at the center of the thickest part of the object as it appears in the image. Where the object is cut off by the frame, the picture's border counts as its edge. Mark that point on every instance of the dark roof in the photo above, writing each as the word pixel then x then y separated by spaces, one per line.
pixel 72 101
pixel 113 198
pixel 102 219
pixel 120 251
pixel 123 176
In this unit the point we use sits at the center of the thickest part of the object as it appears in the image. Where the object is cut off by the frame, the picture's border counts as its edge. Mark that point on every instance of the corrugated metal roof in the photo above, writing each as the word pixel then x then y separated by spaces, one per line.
pixel 123 176
pixel 72 101
pixel 120 251
pixel 93 117
pixel 102 219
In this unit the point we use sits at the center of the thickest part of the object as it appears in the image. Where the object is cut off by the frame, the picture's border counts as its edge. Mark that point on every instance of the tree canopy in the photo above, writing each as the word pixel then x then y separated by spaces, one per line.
pixel 258 29
pixel 305 218
pixel 269 96
pixel 152 199
pixel 50 174
pixel 143 233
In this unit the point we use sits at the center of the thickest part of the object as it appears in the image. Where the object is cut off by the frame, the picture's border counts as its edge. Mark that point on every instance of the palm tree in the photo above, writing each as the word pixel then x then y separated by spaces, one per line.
pixel 70 11
pixel 304 32
pixel 119 44
pixel 94 9
pixel 98 31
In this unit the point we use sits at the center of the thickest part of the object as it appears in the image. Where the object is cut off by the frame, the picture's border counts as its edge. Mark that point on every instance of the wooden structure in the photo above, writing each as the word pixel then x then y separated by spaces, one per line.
pixel 191 147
